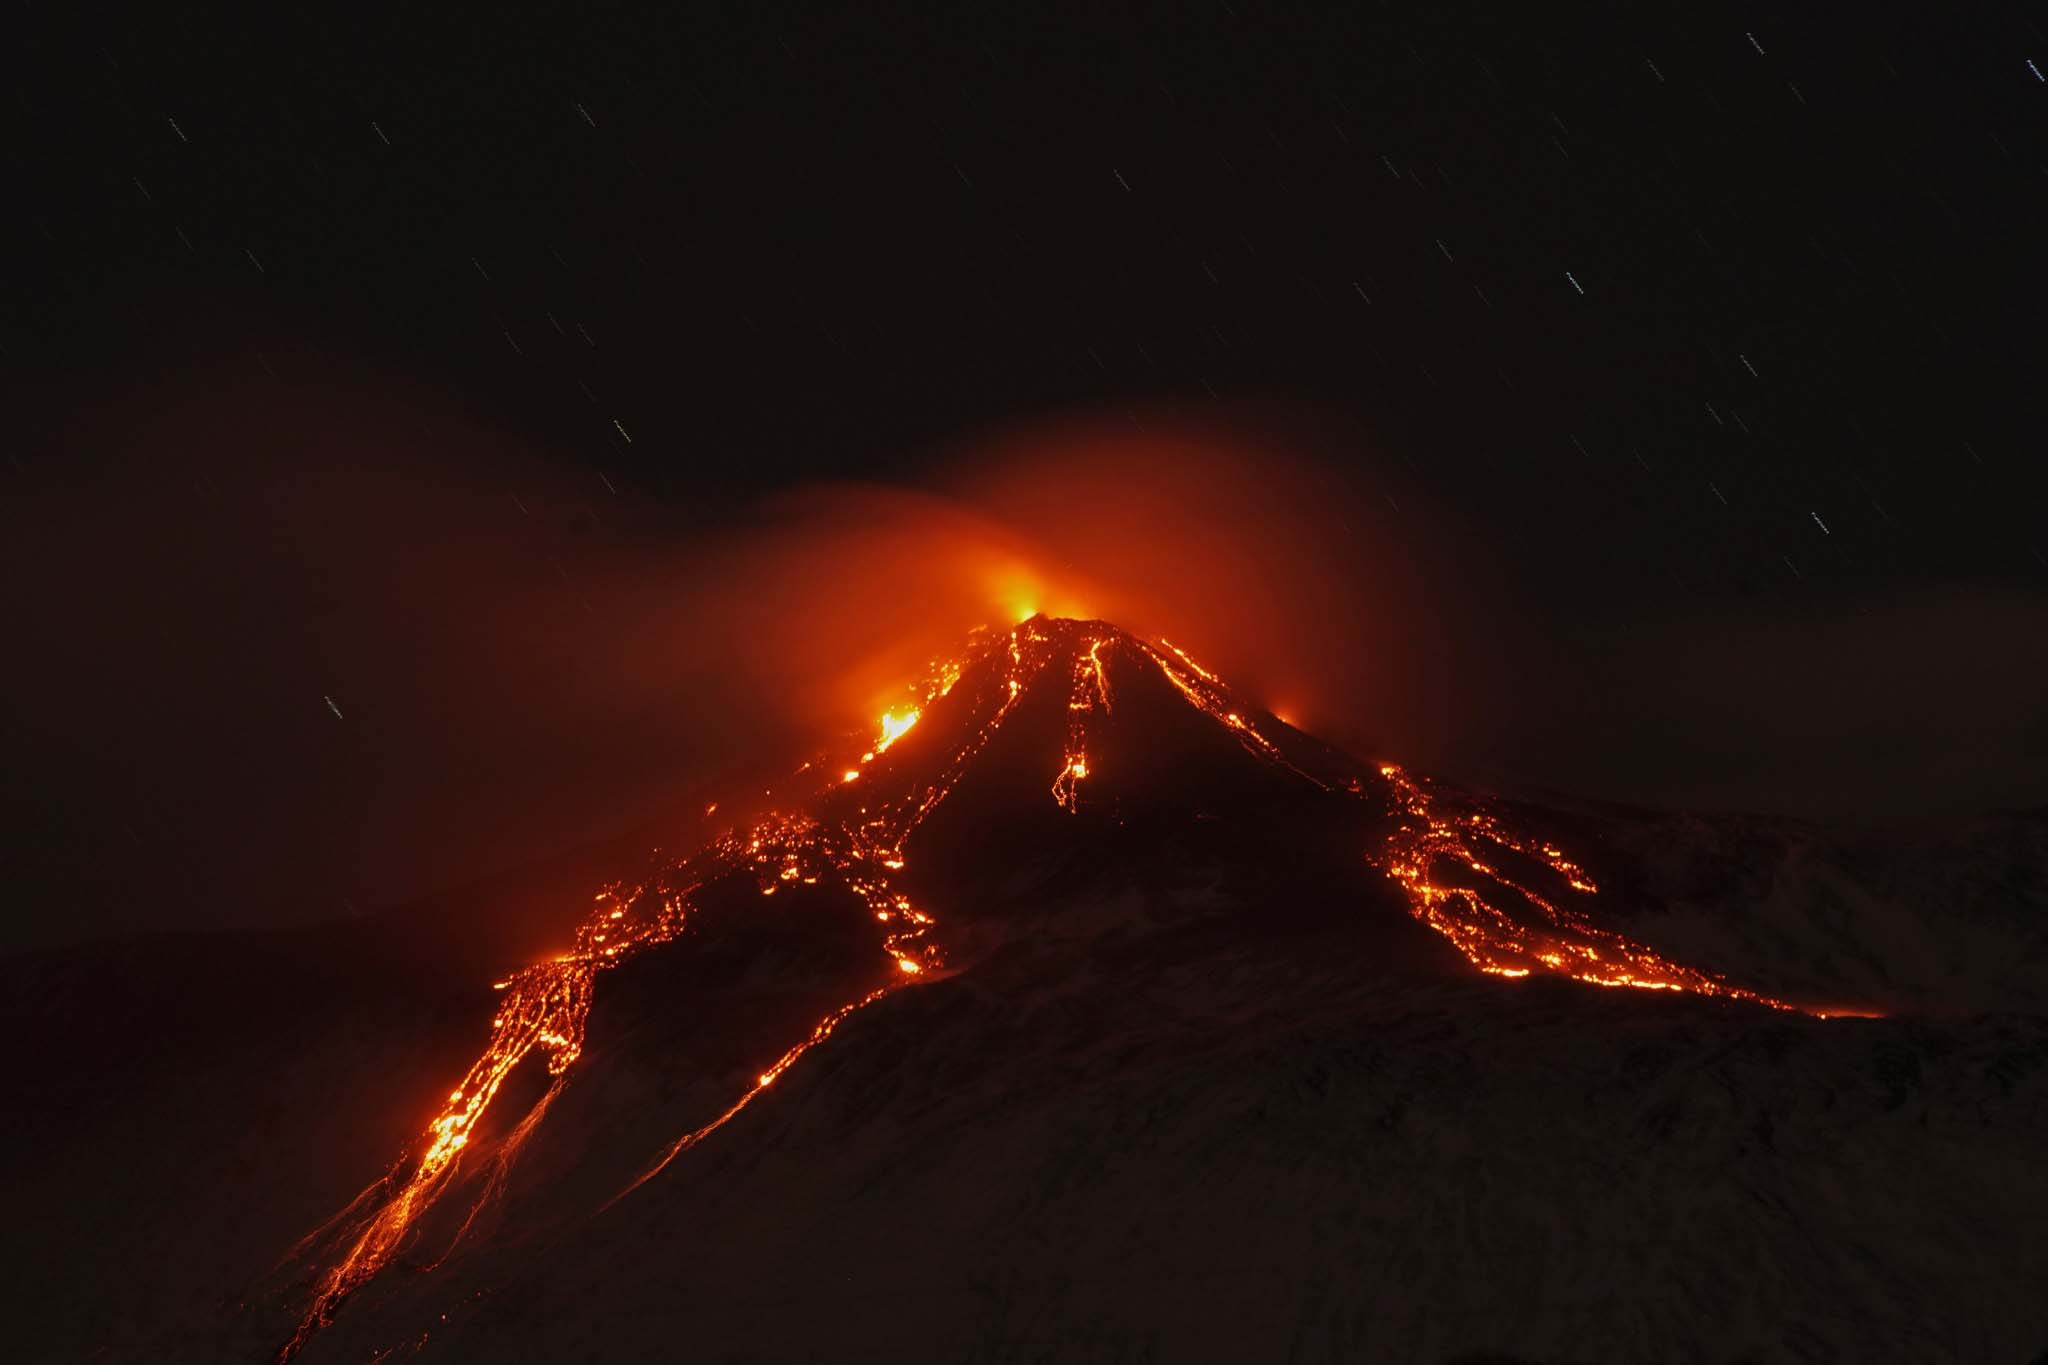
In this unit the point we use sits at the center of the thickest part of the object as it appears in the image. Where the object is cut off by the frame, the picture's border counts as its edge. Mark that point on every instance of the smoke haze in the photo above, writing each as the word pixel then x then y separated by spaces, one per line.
pixel 318 656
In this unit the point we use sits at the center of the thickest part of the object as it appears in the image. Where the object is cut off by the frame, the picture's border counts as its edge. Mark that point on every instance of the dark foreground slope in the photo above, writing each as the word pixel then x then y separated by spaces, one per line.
pixel 1194 1084
pixel 1311 1169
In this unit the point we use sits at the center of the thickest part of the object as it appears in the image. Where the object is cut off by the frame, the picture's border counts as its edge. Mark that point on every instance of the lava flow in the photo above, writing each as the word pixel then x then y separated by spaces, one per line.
pixel 1090 691
pixel 1480 923
pixel 547 1005
pixel 1463 873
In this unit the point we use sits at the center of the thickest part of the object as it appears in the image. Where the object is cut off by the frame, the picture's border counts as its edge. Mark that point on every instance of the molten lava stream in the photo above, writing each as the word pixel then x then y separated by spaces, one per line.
pixel 1556 939
pixel 1089 693
pixel 546 1006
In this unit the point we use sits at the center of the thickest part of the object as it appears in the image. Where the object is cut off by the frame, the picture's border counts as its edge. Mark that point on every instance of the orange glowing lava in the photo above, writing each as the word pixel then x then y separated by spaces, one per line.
pixel 547 1005
pixel 895 726
pixel 1486 921
pixel 1501 922
pixel 1088 696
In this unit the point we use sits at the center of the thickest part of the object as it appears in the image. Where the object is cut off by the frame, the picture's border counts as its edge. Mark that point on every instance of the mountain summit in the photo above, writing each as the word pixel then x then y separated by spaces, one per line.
pixel 1059 749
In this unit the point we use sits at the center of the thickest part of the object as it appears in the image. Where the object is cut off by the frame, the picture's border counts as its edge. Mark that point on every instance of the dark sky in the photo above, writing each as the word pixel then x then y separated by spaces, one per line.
pixel 367 352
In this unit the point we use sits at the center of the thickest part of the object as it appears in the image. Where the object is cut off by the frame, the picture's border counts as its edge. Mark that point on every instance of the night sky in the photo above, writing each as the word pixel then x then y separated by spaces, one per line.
pixel 1705 336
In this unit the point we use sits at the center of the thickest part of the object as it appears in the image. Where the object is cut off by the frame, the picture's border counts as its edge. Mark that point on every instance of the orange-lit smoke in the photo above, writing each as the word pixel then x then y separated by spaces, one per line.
pixel 525 659
pixel 1302 581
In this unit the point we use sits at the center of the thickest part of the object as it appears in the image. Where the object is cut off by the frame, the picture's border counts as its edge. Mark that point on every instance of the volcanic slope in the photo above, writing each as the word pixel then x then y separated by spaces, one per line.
pixel 1089 1011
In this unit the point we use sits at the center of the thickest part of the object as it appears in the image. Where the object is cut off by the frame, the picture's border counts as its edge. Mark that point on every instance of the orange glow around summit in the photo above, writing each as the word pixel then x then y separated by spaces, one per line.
pixel 1511 904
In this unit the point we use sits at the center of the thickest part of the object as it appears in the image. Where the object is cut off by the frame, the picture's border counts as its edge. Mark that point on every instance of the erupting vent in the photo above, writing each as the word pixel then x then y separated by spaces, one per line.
pixel 1448 862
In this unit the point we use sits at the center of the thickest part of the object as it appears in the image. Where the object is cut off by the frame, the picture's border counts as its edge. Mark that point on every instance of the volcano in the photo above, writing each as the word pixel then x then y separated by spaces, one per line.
pixel 1088 1010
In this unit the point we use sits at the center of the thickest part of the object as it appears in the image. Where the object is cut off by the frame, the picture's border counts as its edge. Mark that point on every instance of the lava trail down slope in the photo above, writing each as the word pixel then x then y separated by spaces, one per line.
pixel 1086 1009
